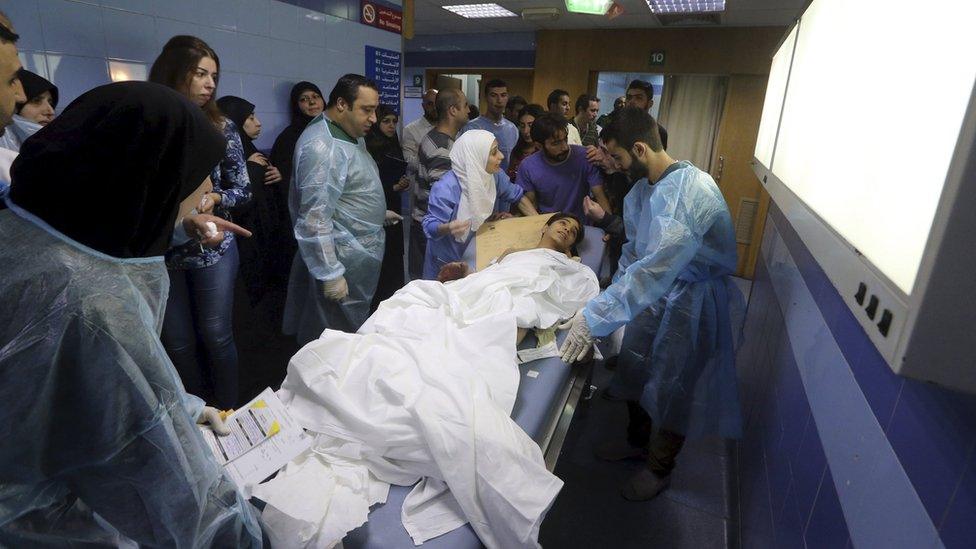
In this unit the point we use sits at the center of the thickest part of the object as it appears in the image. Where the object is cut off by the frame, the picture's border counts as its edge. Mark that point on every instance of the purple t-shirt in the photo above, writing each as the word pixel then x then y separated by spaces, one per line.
pixel 559 188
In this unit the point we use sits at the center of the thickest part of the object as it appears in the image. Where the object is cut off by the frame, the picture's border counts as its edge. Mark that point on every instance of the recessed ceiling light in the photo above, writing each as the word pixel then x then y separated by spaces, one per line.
pixel 593 7
pixel 686 6
pixel 479 11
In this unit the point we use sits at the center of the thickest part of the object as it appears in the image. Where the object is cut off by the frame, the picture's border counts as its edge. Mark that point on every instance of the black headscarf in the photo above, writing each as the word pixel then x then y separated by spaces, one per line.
pixel 35 85
pixel 112 169
pixel 297 116
pixel 284 145
pixel 238 110
pixel 377 143
pixel 388 155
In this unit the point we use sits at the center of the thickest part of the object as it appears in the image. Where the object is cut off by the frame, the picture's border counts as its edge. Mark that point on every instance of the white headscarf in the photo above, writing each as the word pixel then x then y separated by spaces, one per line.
pixel 469 157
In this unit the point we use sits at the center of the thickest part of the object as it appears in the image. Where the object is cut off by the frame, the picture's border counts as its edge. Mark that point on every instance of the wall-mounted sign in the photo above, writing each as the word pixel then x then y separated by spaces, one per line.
pixel 418 80
pixel 656 59
pixel 381 15
pixel 383 67
pixel 413 92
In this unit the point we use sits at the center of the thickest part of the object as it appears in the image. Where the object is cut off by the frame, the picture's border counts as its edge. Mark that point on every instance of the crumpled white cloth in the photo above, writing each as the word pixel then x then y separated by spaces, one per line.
pixel 424 391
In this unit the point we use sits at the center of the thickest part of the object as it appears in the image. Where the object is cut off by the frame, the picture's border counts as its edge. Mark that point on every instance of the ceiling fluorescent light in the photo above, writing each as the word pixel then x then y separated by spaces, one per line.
pixel 479 11
pixel 593 7
pixel 686 6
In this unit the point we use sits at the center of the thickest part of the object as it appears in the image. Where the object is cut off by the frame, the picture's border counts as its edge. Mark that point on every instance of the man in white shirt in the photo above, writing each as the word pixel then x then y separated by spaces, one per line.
pixel 558 103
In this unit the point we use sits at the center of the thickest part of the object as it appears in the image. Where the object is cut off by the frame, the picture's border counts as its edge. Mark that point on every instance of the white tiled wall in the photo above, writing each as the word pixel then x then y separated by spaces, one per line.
pixel 265 46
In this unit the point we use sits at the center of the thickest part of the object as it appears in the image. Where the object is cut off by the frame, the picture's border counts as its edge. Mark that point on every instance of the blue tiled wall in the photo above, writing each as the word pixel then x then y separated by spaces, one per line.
pixel 265 46
pixel 838 450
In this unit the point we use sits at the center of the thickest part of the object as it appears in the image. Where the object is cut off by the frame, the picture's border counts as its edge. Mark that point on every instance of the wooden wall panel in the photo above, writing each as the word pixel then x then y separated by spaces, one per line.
pixel 564 59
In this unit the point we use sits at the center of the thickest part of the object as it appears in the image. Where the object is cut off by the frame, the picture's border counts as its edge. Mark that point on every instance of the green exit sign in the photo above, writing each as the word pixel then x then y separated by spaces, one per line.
pixel 656 59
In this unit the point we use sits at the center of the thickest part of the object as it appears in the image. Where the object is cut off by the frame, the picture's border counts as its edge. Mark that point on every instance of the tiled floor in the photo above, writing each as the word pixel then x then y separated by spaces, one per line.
pixel 589 512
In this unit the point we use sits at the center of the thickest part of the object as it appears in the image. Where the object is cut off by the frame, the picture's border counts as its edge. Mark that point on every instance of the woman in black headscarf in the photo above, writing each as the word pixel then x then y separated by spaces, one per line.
pixel 265 261
pixel 306 103
pixel 95 417
pixel 42 98
pixel 384 146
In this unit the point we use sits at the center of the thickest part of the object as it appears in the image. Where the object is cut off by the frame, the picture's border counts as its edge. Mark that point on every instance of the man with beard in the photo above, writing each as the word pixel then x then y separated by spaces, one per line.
pixel 558 177
pixel 674 294
pixel 558 103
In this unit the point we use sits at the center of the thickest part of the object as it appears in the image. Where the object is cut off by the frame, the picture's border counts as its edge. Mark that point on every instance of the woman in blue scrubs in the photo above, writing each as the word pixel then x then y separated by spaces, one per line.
pixel 467 196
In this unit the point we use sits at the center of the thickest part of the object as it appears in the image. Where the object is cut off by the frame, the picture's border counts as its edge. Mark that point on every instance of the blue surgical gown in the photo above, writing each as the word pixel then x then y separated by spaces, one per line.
pixel 445 197
pixel 100 441
pixel 682 311
pixel 337 206
pixel 17 132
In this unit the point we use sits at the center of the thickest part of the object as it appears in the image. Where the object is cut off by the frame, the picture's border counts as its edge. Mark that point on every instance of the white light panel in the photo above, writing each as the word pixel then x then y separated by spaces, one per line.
pixel 773 105
pixel 685 6
pixel 873 111
pixel 480 11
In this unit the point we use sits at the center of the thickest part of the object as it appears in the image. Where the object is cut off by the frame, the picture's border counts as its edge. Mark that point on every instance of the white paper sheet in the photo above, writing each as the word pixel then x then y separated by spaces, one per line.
pixel 263 438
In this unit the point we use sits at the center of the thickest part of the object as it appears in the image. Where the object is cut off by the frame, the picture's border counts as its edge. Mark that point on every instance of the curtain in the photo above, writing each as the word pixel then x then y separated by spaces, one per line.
pixel 691 110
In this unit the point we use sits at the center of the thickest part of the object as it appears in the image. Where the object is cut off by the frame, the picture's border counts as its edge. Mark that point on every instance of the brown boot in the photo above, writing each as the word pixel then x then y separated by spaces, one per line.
pixel 618 450
pixel 645 485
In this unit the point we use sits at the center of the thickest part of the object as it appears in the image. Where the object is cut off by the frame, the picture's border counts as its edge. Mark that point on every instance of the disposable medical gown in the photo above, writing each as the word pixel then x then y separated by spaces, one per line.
pixel 17 132
pixel 99 438
pixel 425 389
pixel 681 308
pixel 337 206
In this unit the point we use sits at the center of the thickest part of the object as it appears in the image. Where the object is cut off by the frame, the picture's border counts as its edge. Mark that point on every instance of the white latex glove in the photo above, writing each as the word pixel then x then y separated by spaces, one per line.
pixel 335 290
pixel 211 416
pixel 391 218
pixel 578 341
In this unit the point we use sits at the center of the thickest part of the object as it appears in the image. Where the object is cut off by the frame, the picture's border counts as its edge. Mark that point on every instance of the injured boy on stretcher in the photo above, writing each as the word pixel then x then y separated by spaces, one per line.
pixel 424 392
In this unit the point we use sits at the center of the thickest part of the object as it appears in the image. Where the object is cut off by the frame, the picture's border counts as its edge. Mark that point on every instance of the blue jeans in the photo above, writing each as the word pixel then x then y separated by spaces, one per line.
pixel 201 306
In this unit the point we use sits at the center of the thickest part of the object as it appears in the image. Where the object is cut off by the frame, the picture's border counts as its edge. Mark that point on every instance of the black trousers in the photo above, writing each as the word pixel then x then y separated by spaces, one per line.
pixel 662 446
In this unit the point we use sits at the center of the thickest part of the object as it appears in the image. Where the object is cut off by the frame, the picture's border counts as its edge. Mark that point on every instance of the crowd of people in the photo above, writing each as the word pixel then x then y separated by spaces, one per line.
pixel 110 352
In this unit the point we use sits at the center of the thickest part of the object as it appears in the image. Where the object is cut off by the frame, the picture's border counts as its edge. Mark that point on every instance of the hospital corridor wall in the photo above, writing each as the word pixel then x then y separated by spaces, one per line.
pixel 838 450
pixel 265 46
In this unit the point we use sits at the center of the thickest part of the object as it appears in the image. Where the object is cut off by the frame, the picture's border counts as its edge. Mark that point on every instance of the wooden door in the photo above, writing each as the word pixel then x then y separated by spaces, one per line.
pixel 446 82
pixel 736 143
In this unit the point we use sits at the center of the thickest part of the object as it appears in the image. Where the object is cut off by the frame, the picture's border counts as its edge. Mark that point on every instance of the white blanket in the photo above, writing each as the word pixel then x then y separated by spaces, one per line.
pixel 424 392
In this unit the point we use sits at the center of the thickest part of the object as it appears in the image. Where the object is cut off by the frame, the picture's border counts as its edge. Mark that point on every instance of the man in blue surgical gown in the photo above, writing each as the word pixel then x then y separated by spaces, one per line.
pixel 338 208
pixel 674 294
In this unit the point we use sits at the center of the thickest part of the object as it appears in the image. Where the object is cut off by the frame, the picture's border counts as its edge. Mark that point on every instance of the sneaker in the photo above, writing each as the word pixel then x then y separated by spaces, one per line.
pixel 619 450
pixel 645 485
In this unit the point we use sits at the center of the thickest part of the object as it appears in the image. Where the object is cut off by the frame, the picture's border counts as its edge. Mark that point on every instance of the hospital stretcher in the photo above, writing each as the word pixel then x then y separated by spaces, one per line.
pixel 547 397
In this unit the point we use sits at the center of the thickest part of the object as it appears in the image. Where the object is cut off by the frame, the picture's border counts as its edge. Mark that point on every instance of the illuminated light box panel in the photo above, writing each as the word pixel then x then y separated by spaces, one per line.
pixel 866 145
